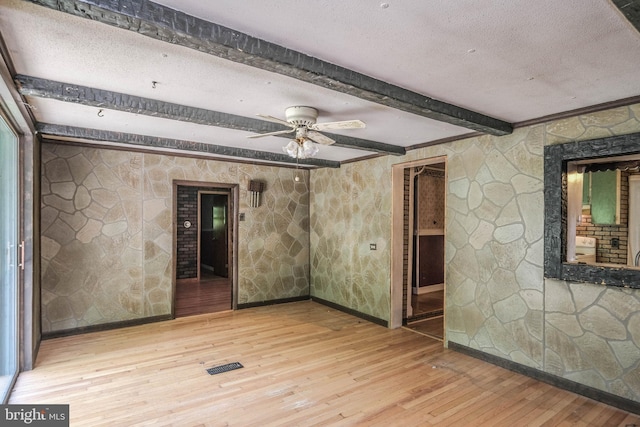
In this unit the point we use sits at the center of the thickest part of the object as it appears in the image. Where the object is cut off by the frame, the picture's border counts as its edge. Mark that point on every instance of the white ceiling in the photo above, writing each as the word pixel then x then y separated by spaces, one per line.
pixel 512 60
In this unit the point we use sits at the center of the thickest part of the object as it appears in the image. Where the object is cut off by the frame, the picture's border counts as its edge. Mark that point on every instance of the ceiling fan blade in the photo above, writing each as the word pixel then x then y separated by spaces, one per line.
pixel 347 124
pixel 319 138
pixel 275 120
pixel 278 132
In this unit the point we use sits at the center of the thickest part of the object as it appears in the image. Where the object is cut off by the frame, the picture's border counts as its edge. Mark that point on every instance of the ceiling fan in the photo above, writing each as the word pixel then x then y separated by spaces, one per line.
pixel 302 121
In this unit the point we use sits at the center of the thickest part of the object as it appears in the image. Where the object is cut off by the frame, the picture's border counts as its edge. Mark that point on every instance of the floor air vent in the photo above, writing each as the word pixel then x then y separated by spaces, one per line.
pixel 224 368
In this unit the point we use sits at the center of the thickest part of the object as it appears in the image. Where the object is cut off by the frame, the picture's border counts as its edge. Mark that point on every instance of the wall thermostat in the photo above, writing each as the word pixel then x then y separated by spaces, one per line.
pixel 187 224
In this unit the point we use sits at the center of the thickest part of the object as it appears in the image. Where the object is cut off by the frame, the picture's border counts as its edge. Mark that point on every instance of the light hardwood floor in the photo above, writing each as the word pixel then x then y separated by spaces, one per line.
pixel 304 364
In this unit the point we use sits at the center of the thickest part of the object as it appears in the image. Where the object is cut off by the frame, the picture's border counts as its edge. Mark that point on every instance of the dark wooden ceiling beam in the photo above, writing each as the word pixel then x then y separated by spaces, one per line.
pixel 47 129
pixel 162 23
pixel 631 10
pixel 42 88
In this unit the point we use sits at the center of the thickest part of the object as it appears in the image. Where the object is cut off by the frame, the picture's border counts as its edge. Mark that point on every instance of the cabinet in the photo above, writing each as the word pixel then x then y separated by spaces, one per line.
pixel 601 192
pixel 430 257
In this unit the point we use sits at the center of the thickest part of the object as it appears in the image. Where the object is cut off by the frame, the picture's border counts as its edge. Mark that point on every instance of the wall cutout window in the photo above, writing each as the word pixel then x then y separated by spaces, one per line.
pixel 592 211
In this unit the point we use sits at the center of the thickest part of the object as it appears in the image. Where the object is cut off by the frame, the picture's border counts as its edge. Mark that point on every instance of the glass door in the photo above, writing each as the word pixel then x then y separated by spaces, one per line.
pixel 9 259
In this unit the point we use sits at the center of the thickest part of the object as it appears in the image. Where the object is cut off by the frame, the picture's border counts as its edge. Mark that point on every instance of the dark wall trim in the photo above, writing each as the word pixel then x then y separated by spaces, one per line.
pixel 444 140
pixel 563 383
pixel 47 129
pixel 556 158
pixel 151 150
pixel 272 302
pixel 631 10
pixel 579 112
pixel 172 26
pixel 105 326
pixel 545 119
pixel 351 311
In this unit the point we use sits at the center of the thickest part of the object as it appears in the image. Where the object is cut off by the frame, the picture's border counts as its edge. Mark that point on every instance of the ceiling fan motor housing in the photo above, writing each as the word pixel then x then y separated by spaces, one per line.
pixel 301 116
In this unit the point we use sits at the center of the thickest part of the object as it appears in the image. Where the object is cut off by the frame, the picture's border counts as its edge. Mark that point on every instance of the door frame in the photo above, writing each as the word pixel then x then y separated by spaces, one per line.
pixel 234 206
pixel 632 218
pixel 18 117
pixel 397 235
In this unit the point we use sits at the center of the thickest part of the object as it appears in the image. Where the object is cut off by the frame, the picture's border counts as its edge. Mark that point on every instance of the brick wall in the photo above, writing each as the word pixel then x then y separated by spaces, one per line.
pixel 407 235
pixel 606 252
pixel 187 238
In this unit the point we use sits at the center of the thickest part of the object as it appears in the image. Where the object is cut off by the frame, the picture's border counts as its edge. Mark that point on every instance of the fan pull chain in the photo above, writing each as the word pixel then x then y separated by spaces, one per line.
pixel 296 178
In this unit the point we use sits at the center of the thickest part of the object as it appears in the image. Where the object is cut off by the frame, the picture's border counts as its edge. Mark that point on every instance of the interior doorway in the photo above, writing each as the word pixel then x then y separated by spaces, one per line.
pixel 418 267
pixel 206 272
pixel 213 234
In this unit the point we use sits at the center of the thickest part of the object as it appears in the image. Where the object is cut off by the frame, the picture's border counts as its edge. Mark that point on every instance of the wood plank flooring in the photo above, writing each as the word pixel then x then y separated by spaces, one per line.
pixel 210 294
pixel 424 305
pixel 304 364
pixel 432 327
pixel 427 315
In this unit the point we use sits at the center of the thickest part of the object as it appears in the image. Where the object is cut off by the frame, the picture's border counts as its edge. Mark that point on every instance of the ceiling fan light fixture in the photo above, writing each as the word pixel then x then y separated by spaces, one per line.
pixel 291 148
pixel 299 149
pixel 302 121
pixel 309 149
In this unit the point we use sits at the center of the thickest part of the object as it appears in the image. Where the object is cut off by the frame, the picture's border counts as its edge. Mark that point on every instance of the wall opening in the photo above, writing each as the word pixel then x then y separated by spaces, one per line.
pixel 205 249
pixel 418 236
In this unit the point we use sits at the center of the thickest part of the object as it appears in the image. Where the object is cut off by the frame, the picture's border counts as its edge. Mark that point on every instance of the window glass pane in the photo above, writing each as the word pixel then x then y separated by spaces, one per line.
pixel 8 257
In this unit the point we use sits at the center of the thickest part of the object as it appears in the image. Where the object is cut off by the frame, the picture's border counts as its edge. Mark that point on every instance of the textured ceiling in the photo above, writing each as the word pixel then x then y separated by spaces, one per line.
pixel 506 62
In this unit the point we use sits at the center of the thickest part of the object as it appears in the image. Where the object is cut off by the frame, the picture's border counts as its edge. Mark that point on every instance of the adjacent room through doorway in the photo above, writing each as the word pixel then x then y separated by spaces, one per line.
pixel 204 248
pixel 425 216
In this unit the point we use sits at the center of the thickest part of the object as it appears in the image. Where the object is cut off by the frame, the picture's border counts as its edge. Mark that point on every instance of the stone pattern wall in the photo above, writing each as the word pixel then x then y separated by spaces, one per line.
pixel 592 331
pixel 497 299
pixel 494 246
pixel 107 233
pixel 350 209
pixel 91 237
pixel 592 336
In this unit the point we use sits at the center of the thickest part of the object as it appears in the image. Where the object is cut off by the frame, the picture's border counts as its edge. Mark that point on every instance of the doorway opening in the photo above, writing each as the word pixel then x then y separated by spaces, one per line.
pixel 418 274
pixel 206 231
pixel 213 234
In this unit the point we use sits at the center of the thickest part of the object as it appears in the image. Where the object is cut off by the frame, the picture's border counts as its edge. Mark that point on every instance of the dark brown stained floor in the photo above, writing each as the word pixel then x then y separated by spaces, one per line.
pixel 432 327
pixel 428 303
pixel 210 294
pixel 428 310
pixel 305 364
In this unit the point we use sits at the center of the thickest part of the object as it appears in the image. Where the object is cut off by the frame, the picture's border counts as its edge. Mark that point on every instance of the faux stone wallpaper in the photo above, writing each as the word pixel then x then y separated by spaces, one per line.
pixel 107 233
pixel 592 336
pixel 592 332
pixel 497 299
pixel 351 209
pixel 91 237
pixel 107 243
pixel 494 246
